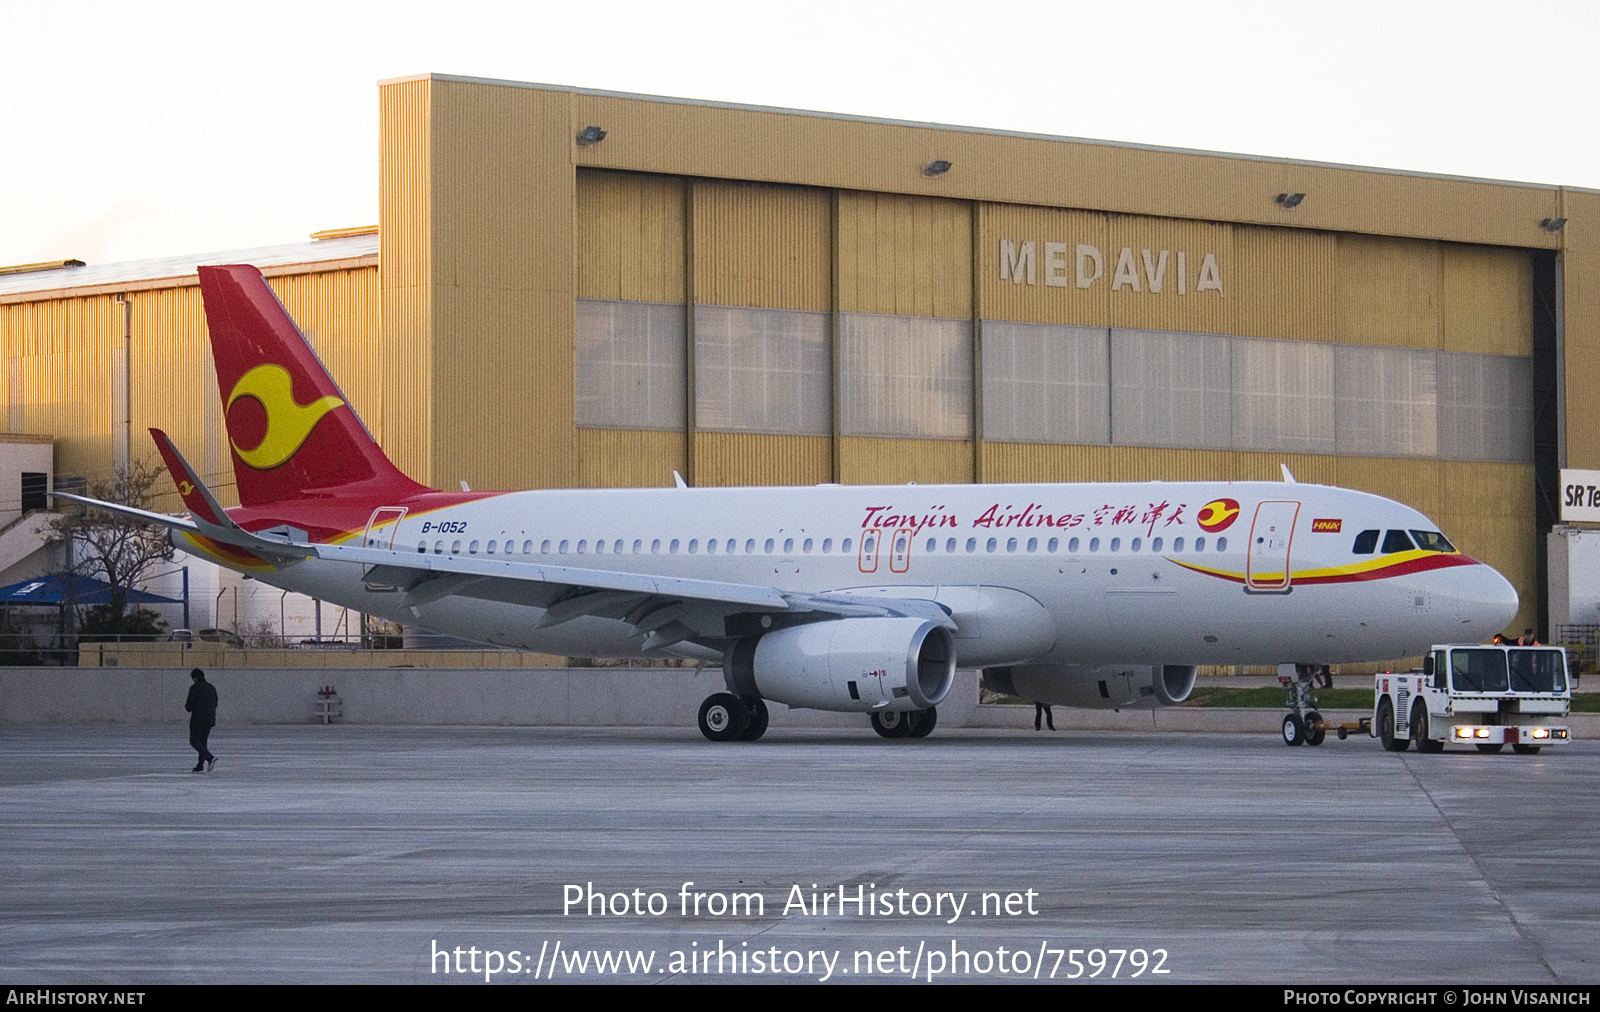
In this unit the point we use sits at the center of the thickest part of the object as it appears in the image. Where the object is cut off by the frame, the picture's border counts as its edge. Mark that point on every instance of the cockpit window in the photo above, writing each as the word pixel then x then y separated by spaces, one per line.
pixel 1396 541
pixel 1366 542
pixel 1432 541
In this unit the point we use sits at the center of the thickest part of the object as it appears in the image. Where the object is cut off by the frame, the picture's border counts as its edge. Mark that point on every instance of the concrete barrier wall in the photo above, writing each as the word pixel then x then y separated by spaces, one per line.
pixel 558 697
pixel 529 697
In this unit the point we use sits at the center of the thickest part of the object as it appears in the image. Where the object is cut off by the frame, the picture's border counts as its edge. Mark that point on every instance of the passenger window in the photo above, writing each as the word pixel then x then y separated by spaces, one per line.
pixel 1033 544
pixel 1094 544
pixel 1116 544
pixel 1432 541
pixel 1222 544
pixel 1072 546
pixel 950 546
pixel 1155 546
pixel 422 547
pixel 1366 542
pixel 1199 544
pixel 1053 545
pixel 827 546
pixel 972 545
pixel 930 547
pixel 769 546
pixel 1396 541
pixel 992 544
pixel 1177 544
pixel 750 547
pixel 844 546
pixel 788 546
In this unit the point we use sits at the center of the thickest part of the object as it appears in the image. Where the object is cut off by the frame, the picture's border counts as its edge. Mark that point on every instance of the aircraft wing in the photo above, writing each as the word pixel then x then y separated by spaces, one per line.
pixel 666 609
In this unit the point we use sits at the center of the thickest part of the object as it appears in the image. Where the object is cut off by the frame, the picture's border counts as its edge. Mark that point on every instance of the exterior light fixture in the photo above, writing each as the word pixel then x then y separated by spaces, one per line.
pixel 1290 201
pixel 937 168
pixel 1553 224
pixel 590 135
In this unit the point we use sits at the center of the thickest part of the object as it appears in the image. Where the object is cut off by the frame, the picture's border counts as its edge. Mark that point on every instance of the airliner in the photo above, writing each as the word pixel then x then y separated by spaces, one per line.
pixel 846 598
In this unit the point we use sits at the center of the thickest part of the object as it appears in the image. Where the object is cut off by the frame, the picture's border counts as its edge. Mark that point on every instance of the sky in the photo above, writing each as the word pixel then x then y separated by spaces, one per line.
pixel 162 128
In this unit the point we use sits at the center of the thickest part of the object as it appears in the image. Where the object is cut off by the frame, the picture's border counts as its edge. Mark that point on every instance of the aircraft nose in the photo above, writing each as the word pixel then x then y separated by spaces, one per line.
pixel 1485 601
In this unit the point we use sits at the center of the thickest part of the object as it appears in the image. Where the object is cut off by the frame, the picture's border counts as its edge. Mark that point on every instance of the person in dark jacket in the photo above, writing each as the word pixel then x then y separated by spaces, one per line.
pixel 202 707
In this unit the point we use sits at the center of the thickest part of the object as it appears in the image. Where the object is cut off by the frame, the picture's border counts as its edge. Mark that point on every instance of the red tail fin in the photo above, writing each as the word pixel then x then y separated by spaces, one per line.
pixel 294 435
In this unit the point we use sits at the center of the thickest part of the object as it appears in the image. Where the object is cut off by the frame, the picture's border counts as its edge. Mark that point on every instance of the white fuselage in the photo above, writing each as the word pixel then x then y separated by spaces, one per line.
pixel 1053 574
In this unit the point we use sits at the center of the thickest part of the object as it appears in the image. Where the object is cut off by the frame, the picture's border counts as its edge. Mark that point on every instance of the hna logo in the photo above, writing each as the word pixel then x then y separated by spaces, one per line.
pixel 287 424
pixel 1217 515
pixel 1326 525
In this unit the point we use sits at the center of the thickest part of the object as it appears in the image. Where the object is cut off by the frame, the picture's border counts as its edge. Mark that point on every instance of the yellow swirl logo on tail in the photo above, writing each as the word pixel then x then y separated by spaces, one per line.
pixel 288 423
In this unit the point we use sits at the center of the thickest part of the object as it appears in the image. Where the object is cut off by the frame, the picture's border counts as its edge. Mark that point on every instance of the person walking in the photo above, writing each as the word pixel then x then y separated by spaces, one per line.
pixel 202 707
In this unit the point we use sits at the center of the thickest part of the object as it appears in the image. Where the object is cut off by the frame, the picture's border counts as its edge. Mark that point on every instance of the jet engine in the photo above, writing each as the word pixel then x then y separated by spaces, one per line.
pixel 1095 686
pixel 852 664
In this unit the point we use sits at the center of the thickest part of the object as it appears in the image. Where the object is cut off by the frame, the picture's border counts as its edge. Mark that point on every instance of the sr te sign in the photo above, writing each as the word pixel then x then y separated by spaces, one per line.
pixel 1580 496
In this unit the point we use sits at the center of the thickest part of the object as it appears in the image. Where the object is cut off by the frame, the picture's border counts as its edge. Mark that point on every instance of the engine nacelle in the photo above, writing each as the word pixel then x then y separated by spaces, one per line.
pixel 851 664
pixel 1095 686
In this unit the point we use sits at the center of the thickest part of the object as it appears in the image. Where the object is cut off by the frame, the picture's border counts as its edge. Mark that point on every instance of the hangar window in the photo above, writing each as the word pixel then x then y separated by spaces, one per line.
pixel 1387 404
pixel 1282 395
pixel 905 376
pixel 1485 407
pixel 630 365
pixel 1045 384
pixel 1170 389
pixel 762 370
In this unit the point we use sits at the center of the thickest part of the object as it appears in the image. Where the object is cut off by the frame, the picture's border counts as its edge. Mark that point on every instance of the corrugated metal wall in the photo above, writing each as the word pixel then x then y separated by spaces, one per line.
pixel 64 368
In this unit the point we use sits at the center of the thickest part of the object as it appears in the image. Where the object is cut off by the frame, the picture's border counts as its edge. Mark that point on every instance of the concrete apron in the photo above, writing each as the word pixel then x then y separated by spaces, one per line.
pixel 528 697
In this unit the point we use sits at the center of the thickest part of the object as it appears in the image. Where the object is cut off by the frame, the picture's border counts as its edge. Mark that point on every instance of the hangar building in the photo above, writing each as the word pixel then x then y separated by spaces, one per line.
pixel 581 288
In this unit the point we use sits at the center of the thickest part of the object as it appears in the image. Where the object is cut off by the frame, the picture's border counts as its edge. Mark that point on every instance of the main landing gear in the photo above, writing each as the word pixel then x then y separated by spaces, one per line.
pixel 726 717
pixel 905 723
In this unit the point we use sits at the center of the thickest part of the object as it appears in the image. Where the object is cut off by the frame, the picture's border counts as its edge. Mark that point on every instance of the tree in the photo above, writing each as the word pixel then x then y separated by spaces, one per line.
pixel 116 549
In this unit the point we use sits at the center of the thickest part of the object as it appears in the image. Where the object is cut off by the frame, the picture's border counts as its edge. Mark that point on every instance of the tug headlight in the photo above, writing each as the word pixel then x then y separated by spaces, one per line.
pixel 1541 732
pixel 1482 732
pixel 1463 732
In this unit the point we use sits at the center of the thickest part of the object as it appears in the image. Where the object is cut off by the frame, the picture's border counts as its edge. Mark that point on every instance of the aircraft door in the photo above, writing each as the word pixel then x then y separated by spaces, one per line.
pixel 900 560
pixel 376 536
pixel 867 562
pixel 1267 566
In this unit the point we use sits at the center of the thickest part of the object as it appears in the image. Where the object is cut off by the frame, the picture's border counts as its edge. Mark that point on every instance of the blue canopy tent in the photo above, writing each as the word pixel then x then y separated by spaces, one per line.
pixel 70 588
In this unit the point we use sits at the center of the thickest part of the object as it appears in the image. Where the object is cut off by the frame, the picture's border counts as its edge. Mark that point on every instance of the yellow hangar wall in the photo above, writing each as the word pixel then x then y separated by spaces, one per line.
pixel 64 356
pixel 496 225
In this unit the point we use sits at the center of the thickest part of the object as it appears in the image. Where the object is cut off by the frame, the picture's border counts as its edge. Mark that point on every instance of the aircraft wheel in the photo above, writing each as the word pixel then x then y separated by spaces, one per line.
pixel 1419 730
pixel 1294 732
pixel 926 719
pixel 1314 732
pixel 1490 749
pixel 758 719
pixel 1525 749
pixel 891 724
pixel 723 717
pixel 1386 728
